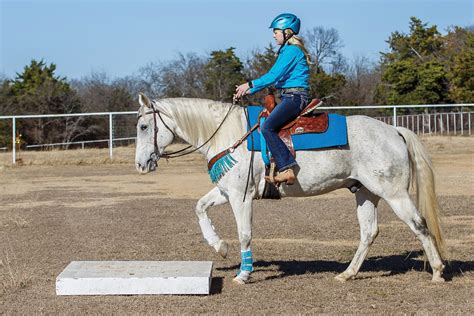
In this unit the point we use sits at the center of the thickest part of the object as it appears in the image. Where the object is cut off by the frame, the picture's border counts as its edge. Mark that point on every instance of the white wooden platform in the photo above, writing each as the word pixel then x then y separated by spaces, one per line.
pixel 135 278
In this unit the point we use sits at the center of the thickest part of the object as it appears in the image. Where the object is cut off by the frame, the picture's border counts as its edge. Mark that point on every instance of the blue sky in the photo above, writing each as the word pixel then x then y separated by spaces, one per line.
pixel 118 37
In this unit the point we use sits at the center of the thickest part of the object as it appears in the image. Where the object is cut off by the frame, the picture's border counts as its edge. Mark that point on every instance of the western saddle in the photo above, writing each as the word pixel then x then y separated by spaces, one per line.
pixel 306 122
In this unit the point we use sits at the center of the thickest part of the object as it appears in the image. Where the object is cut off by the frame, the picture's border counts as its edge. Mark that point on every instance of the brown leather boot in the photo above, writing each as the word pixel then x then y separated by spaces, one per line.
pixel 287 176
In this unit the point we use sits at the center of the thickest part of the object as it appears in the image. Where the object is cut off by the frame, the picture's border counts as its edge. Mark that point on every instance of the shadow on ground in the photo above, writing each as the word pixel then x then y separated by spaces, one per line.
pixel 393 265
pixel 216 285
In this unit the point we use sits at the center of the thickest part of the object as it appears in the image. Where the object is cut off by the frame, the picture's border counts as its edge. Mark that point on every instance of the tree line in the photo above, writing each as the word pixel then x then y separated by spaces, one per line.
pixel 420 67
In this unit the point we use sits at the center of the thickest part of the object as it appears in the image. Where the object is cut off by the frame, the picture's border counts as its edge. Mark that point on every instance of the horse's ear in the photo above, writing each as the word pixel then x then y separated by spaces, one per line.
pixel 143 100
pixel 146 103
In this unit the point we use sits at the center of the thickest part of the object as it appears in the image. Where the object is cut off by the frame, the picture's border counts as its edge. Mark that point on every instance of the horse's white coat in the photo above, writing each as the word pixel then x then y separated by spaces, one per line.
pixel 376 156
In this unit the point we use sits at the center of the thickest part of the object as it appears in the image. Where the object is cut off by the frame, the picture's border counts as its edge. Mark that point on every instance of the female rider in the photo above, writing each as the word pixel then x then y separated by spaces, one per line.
pixel 289 74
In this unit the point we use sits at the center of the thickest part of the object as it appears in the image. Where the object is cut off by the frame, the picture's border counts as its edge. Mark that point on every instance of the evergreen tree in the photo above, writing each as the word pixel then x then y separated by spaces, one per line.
pixel 7 107
pixel 38 91
pixel 421 43
pixel 258 64
pixel 412 72
pixel 323 84
pixel 462 74
pixel 223 71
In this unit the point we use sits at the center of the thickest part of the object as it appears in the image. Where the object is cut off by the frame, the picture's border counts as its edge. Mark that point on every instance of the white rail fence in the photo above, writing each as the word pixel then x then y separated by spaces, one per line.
pixel 447 123
pixel 121 125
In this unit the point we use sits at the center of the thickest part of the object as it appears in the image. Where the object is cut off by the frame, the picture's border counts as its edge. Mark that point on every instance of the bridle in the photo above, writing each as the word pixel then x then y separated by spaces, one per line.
pixel 182 152
pixel 155 155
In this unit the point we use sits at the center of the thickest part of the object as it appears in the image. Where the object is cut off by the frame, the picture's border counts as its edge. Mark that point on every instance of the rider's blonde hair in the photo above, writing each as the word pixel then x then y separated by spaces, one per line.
pixel 298 41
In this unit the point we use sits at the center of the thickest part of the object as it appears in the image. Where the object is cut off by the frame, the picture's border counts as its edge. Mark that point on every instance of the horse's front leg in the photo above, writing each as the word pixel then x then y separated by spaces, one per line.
pixel 243 216
pixel 213 197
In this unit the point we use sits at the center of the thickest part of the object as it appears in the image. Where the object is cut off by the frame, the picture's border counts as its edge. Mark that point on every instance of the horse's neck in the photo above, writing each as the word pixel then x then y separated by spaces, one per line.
pixel 232 129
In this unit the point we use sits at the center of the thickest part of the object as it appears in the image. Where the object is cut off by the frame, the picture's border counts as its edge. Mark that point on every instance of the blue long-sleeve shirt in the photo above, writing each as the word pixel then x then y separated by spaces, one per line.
pixel 289 71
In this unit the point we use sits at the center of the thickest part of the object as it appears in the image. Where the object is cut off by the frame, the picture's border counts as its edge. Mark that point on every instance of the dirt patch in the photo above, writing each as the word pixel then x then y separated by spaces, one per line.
pixel 52 215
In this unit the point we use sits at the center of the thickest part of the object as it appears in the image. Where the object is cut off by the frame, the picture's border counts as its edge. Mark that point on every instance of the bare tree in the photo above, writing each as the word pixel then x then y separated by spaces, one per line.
pixel 93 91
pixel 362 78
pixel 324 45
pixel 338 64
pixel 98 93
pixel 133 85
pixel 151 76
pixel 181 77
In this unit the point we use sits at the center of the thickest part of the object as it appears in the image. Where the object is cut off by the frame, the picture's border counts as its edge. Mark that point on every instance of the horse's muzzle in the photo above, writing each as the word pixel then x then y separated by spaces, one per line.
pixel 150 165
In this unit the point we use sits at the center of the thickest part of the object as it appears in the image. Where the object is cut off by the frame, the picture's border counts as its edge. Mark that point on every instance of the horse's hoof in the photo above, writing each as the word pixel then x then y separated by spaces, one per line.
pixel 438 275
pixel 340 278
pixel 437 279
pixel 222 249
pixel 242 278
pixel 238 281
pixel 343 277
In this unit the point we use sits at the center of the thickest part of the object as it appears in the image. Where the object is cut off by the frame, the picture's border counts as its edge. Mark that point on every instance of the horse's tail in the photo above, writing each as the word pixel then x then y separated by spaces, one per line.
pixel 422 175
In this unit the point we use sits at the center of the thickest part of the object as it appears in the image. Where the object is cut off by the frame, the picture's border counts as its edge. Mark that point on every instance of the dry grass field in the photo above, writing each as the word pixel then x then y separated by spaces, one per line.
pixel 77 205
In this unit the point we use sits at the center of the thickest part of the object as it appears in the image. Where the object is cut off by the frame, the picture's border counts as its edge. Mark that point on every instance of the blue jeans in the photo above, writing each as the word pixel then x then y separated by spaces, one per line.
pixel 290 107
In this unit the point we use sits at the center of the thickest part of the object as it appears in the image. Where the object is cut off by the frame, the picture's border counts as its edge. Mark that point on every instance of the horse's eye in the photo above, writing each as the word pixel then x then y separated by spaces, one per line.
pixel 143 127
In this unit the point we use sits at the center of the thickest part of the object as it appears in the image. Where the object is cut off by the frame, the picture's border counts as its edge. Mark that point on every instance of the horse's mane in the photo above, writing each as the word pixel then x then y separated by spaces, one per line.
pixel 199 119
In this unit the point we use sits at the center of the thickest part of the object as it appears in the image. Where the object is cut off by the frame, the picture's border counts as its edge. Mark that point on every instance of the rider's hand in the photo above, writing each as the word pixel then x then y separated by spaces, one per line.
pixel 241 90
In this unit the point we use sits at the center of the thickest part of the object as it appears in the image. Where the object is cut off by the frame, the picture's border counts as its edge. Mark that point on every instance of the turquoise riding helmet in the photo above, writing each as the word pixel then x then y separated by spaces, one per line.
pixel 286 21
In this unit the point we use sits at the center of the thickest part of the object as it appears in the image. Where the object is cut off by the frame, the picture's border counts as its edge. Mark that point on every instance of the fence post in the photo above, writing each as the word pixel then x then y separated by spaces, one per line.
pixel 110 136
pixel 469 122
pixel 441 126
pixel 462 123
pixel 429 123
pixel 447 124
pixel 454 123
pixel 423 123
pixel 395 116
pixel 418 124
pixel 14 140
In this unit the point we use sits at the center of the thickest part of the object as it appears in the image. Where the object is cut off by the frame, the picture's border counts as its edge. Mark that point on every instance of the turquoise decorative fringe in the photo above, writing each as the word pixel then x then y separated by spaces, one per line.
pixel 220 167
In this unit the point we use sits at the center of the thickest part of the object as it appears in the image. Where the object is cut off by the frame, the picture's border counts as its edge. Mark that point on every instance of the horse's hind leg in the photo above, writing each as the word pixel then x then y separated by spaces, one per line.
pixel 403 206
pixel 213 197
pixel 367 216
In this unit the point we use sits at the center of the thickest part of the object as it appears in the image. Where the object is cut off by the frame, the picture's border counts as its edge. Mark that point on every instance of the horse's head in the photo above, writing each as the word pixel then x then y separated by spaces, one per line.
pixel 154 133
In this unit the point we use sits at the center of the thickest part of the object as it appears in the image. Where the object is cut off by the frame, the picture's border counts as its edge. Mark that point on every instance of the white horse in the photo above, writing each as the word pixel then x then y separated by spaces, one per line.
pixel 382 158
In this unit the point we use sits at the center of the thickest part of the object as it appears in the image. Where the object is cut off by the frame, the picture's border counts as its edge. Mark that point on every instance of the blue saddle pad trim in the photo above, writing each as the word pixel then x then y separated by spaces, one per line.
pixel 335 135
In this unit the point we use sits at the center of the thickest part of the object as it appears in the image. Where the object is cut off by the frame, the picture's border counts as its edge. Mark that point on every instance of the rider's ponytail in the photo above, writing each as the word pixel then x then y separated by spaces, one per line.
pixel 297 41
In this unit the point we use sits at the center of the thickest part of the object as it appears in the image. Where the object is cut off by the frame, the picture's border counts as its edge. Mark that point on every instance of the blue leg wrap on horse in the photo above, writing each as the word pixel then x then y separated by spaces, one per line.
pixel 247 261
